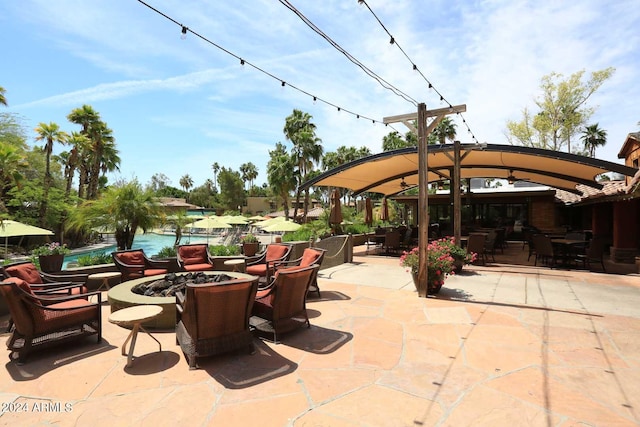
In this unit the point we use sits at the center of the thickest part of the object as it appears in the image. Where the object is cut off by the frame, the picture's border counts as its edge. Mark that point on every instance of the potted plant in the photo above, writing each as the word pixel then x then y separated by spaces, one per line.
pixel 250 245
pixel 460 255
pixel 50 256
pixel 440 263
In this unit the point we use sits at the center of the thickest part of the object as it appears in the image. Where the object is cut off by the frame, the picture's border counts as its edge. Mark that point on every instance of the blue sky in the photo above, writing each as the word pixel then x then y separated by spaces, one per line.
pixel 177 106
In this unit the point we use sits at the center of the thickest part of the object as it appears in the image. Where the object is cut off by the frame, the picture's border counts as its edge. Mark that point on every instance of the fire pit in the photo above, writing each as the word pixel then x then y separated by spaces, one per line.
pixel 171 283
pixel 123 295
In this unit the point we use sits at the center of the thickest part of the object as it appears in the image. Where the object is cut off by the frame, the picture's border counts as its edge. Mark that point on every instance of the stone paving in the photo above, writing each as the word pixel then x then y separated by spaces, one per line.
pixel 501 346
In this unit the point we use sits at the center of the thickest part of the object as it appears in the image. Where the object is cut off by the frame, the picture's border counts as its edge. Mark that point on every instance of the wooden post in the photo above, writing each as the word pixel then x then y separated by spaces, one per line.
pixel 457 205
pixel 423 204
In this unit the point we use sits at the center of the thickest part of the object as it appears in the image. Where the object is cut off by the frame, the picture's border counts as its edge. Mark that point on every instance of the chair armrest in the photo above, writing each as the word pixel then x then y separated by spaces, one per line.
pixel 50 299
pixel 258 259
pixel 158 263
pixel 49 288
pixel 74 278
pixel 277 264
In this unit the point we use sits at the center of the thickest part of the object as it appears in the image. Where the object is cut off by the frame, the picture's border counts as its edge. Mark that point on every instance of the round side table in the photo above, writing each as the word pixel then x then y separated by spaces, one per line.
pixel 238 265
pixel 104 278
pixel 133 317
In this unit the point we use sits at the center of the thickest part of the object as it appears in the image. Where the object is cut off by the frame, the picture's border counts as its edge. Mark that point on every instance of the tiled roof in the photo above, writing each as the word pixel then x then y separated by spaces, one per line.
pixel 611 188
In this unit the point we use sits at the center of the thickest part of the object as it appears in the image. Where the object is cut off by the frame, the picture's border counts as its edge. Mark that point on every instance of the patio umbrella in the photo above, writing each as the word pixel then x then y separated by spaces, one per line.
pixel 257 218
pixel 234 220
pixel 368 212
pixel 282 226
pixel 10 228
pixel 384 212
pixel 209 223
pixel 335 215
pixel 267 222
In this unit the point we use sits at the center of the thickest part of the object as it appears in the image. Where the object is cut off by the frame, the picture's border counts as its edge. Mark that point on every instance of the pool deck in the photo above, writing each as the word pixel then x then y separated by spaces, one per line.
pixel 501 345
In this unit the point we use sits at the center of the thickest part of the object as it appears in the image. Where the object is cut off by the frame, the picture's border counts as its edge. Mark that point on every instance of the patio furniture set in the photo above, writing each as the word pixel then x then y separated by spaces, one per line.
pixel 211 318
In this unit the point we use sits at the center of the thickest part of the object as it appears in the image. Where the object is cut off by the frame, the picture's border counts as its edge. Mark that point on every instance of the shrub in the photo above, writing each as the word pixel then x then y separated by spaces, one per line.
pixel 94 259
pixel 167 252
pixel 222 250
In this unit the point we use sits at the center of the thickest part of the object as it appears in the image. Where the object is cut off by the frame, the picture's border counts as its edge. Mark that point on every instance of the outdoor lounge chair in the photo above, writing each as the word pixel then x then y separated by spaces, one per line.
pixel 282 306
pixel 476 244
pixel 213 318
pixel 194 257
pixel 593 254
pixel 545 250
pixel 262 264
pixel 134 264
pixel 27 271
pixel 40 321
pixel 309 257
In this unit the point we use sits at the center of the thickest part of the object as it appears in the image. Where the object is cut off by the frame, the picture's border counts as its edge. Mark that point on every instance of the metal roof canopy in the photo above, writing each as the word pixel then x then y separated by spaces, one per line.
pixel 386 172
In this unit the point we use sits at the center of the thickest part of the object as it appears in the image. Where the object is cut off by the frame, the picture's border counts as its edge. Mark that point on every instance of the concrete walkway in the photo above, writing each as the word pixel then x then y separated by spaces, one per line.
pixel 500 346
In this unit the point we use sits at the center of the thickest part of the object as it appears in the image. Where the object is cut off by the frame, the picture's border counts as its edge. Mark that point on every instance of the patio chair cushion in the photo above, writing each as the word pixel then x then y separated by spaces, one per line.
pixel 155 271
pixel 193 254
pixel 132 258
pixel 276 252
pixel 27 272
pixel 257 270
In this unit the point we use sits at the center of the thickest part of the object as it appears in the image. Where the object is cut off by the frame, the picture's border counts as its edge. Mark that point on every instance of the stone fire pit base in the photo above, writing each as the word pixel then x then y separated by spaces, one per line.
pixel 121 296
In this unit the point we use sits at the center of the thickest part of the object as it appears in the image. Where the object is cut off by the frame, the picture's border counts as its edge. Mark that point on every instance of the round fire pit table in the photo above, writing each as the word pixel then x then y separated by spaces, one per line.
pixel 121 296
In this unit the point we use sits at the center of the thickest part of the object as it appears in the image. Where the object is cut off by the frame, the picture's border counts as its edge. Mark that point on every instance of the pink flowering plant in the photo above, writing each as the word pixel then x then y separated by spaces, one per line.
pixel 54 248
pixel 442 254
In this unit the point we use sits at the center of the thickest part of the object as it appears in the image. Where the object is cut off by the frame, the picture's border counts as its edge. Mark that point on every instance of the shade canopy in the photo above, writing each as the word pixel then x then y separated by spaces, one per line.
pixel 10 228
pixel 282 226
pixel 209 224
pixel 394 171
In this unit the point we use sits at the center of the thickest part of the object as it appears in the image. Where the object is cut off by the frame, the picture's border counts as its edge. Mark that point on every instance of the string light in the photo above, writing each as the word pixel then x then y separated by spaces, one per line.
pixel 244 62
pixel 184 32
pixel 415 68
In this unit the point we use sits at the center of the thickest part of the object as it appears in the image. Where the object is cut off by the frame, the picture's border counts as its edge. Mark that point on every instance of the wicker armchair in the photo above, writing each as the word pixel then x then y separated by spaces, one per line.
pixel 39 280
pixel 309 257
pixel 40 321
pixel 282 307
pixel 194 257
pixel 262 264
pixel 213 318
pixel 134 264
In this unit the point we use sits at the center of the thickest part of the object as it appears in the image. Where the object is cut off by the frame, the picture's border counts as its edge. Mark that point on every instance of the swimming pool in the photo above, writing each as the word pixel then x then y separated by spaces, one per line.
pixel 151 243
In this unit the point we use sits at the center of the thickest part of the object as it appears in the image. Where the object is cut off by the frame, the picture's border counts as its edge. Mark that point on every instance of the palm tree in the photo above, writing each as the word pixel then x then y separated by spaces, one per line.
pixel 593 137
pixel 123 208
pixel 71 159
pixel 100 136
pixel 50 133
pixel 280 174
pixel 306 150
pixel 186 182
pixel 444 130
pixel 12 166
pixel 3 99
pixel 249 172
pixel 216 168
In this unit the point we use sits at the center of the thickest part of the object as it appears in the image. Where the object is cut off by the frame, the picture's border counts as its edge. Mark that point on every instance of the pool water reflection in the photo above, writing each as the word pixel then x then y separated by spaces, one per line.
pixel 151 243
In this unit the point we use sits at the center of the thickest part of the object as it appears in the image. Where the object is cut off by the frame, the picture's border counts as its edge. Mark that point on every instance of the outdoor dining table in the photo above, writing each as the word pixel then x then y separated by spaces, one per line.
pixel 567 247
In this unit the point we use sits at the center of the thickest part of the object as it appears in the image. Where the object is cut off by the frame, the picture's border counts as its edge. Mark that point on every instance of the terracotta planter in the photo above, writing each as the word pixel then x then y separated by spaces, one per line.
pixel 51 263
pixel 431 289
pixel 250 249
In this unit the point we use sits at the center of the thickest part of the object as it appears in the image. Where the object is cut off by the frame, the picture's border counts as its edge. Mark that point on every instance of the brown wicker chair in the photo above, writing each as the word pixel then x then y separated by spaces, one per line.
pixel 282 307
pixel 213 318
pixel 194 257
pixel 134 264
pixel 476 244
pixel 309 257
pixel 40 321
pixel 262 264
pixel 39 280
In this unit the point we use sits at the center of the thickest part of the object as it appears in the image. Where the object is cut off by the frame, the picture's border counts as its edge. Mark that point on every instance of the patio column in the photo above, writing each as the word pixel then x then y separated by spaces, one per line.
pixel 625 231
pixel 602 219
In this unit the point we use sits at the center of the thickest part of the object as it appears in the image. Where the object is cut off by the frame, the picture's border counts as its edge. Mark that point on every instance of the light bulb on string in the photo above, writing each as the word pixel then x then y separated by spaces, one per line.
pixel 315 100
pixel 183 34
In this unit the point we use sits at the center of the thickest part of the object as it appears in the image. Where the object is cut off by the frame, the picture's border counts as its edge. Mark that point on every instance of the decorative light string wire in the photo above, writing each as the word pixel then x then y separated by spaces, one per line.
pixel 184 30
pixel 393 41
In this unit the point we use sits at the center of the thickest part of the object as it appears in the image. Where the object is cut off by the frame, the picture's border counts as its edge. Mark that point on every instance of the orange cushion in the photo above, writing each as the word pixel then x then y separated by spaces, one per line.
pixel 132 258
pixel 21 284
pixel 257 270
pixel 198 267
pixel 309 257
pixel 155 271
pixel 193 254
pixel 27 272
pixel 275 252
